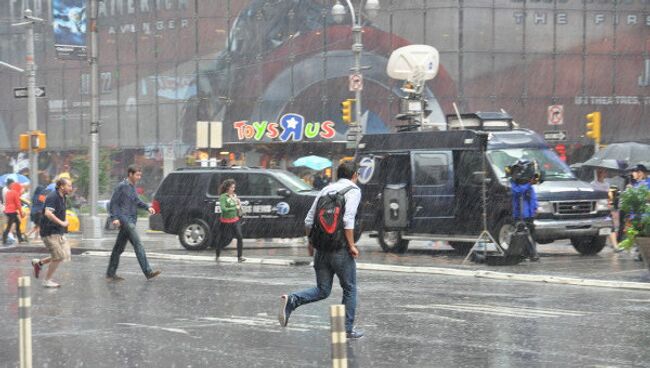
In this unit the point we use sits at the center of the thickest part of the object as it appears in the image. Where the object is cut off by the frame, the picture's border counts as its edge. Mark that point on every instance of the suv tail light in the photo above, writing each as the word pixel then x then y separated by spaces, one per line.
pixel 156 205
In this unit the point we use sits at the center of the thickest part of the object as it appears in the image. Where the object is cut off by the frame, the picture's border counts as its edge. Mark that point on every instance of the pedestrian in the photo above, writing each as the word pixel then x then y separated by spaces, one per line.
pixel 13 211
pixel 524 201
pixel 38 205
pixel 601 184
pixel 335 258
pixel 123 213
pixel 52 230
pixel 230 221
pixel 640 176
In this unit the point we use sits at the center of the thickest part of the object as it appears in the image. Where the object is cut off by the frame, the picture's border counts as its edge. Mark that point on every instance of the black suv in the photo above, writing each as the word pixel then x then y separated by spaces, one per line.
pixel 275 203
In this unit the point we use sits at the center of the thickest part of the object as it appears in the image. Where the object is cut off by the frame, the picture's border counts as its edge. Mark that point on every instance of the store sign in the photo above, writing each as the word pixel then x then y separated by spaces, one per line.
pixel 291 127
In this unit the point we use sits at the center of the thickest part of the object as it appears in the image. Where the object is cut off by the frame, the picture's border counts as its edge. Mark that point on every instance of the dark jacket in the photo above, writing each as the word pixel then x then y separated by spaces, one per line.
pixel 124 203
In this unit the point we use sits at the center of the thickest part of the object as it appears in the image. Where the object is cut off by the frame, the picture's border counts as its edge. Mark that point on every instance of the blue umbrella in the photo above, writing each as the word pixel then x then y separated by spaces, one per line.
pixel 313 162
pixel 50 187
pixel 17 178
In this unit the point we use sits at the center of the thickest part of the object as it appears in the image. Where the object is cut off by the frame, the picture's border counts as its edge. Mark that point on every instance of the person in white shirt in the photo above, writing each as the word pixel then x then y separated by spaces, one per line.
pixel 339 260
pixel 603 185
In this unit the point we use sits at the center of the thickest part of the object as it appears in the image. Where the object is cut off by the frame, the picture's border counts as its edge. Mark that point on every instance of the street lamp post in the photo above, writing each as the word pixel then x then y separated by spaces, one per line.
pixel 338 13
pixel 30 73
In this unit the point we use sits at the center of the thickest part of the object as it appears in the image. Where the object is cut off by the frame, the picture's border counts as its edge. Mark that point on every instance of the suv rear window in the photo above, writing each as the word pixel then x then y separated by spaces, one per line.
pixel 179 184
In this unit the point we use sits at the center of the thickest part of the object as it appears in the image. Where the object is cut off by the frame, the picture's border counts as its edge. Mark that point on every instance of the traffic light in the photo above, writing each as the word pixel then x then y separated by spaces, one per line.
pixel 23 142
pixel 38 140
pixel 346 111
pixel 561 151
pixel 593 126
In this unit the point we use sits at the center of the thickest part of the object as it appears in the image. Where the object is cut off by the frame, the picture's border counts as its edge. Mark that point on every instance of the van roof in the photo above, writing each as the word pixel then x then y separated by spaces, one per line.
pixel 464 140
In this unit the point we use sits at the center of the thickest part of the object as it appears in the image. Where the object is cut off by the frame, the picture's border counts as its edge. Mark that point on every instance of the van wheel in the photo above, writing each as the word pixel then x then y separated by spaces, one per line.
pixel 589 245
pixel 195 235
pixel 392 242
pixel 461 247
pixel 503 231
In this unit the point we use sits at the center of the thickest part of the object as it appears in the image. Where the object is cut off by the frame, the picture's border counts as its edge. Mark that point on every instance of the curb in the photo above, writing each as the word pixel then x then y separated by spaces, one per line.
pixel 546 279
pixel 181 257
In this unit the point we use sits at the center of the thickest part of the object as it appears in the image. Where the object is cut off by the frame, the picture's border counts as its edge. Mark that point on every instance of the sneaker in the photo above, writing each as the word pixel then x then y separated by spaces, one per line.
pixel 50 284
pixel 36 264
pixel 241 259
pixel 354 334
pixel 534 259
pixel 153 274
pixel 114 278
pixel 285 311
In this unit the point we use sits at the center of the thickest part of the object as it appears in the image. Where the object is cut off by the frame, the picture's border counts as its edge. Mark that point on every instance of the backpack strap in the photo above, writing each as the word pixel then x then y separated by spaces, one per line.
pixel 345 190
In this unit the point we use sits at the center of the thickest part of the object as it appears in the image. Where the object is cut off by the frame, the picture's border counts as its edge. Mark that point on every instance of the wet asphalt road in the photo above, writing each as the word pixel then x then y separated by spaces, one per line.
pixel 200 314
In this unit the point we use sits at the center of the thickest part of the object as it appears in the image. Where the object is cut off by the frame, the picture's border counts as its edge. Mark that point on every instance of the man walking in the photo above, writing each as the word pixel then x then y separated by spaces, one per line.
pixel 332 259
pixel 53 227
pixel 123 211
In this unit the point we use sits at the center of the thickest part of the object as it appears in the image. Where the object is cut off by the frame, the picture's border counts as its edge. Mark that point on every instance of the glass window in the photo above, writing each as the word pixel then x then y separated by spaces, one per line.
pixel 180 184
pixel 292 181
pixel 548 161
pixel 242 187
pixel 431 168
pixel 215 183
pixel 262 185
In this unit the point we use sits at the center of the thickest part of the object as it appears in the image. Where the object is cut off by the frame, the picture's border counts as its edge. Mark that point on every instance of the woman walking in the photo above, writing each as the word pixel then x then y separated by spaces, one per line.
pixel 230 221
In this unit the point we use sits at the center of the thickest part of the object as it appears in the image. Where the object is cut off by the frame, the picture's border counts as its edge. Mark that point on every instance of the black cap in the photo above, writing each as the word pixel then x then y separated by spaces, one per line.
pixel 638 167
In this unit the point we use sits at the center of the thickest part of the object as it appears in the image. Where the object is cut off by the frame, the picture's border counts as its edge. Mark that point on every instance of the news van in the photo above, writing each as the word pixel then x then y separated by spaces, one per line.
pixel 419 185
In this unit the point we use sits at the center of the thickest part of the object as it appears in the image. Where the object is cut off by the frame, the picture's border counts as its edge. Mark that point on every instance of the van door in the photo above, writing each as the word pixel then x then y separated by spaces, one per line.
pixel 433 192
pixel 395 204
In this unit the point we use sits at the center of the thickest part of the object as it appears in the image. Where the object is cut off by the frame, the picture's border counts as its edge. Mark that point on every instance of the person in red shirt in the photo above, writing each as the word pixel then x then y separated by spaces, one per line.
pixel 13 211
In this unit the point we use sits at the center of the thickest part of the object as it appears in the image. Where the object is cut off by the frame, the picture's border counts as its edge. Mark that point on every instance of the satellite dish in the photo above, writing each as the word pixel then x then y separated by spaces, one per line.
pixel 413 62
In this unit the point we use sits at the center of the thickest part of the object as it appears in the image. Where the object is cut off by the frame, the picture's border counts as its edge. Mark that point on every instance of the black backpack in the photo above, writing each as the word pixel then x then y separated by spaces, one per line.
pixel 327 233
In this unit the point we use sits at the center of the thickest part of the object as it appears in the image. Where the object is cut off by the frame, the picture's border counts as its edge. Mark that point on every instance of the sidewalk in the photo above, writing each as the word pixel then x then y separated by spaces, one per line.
pixel 558 260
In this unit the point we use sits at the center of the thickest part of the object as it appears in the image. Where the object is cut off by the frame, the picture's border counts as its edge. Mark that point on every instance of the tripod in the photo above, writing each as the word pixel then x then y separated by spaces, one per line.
pixel 485 237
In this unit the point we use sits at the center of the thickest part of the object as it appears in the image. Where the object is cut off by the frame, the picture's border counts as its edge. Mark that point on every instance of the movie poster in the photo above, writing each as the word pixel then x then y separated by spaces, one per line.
pixel 69 23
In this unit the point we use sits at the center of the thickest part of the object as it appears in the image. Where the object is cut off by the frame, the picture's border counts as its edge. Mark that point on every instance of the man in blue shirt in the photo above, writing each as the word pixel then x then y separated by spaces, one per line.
pixel 52 230
pixel 123 211
pixel 640 176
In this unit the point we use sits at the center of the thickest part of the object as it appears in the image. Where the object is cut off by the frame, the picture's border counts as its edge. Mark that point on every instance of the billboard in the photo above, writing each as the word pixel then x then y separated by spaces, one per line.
pixel 69 24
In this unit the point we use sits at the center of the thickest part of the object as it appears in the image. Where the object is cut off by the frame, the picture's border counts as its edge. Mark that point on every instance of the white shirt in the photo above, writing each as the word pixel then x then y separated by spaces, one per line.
pixel 600 185
pixel 352 200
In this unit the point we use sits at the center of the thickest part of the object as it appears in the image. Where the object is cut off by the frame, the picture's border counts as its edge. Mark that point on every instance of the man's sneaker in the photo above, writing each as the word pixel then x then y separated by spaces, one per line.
pixel 241 259
pixel 37 267
pixel 285 311
pixel 50 284
pixel 153 274
pixel 354 334
pixel 114 278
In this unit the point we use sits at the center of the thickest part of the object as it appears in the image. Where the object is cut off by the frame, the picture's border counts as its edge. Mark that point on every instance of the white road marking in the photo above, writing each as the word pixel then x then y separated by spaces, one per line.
pixel 265 323
pixel 498 310
pixel 168 329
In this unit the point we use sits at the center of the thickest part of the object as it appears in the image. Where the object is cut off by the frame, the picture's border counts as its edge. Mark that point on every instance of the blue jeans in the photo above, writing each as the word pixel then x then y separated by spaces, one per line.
pixel 127 232
pixel 326 265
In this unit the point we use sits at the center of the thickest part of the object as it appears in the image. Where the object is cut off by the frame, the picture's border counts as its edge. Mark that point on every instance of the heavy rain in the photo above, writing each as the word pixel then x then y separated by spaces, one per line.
pixel 305 183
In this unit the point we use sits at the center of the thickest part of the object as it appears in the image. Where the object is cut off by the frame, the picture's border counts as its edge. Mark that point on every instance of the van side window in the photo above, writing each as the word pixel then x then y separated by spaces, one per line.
pixel 262 185
pixel 431 168
pixel 180 184
pixel 242 187
pixel 215 182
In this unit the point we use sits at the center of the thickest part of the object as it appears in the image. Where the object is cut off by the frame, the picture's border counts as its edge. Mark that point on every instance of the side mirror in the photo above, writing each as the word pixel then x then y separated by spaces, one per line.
pixel 284 192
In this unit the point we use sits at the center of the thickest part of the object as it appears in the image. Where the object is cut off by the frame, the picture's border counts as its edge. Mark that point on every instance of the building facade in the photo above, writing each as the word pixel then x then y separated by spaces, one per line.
pixel 274 71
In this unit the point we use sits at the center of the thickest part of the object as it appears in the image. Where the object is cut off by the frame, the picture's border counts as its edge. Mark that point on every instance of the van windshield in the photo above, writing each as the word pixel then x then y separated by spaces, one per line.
pixel 549 162
pixel 293 182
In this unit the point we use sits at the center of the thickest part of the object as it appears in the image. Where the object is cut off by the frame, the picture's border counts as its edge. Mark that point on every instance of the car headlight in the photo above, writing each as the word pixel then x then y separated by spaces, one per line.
pixel 544 207
pixel 602 205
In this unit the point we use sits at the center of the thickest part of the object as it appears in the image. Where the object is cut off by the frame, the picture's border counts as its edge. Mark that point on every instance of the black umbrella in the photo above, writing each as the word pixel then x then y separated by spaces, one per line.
pixel 629 152
pixel 608 164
